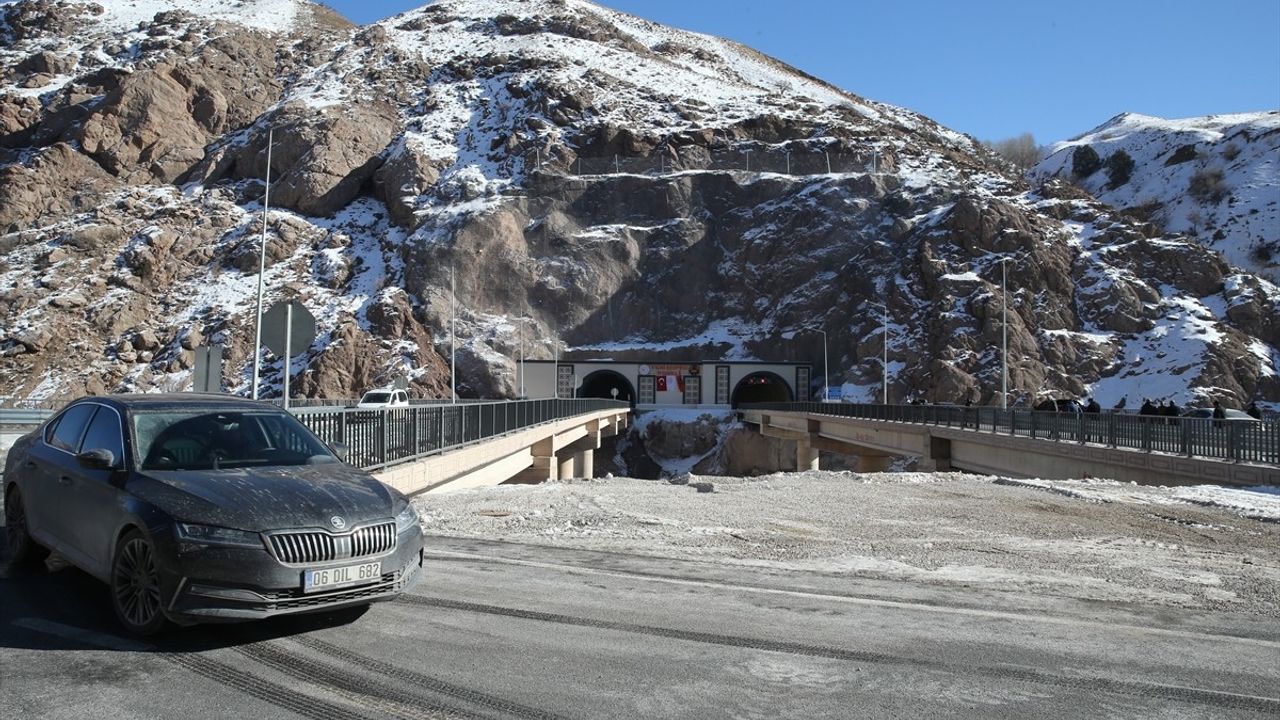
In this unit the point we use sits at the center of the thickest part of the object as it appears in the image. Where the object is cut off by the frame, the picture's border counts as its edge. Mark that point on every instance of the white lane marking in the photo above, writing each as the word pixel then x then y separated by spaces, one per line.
pixel 897 604
pixel 81 635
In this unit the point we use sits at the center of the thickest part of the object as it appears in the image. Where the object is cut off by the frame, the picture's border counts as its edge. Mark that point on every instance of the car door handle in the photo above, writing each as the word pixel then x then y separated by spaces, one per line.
pixel 64 480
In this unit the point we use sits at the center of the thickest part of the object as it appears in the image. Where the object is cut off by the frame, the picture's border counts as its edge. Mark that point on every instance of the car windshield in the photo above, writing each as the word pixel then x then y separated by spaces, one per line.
pixel 201 440
pixel 376 397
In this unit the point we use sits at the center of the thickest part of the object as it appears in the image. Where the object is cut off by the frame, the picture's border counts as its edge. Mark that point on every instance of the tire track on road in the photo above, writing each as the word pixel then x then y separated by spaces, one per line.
pixel 278 695
pixel 1213 698
pixel 432 684
pixel 380 697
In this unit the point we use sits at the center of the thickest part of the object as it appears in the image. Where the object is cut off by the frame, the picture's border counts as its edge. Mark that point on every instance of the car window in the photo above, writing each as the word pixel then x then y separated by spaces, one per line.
pixel 401 398
pixel 375 397
pixel 66 434
pixel 198 440
pixel 104 434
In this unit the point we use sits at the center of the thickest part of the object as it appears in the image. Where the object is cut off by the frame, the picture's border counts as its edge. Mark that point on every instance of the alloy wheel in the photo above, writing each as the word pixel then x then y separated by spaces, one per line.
pixel 136 584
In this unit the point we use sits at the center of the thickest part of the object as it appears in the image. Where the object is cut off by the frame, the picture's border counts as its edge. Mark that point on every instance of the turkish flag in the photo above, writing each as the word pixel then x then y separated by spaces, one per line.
pixel 662 383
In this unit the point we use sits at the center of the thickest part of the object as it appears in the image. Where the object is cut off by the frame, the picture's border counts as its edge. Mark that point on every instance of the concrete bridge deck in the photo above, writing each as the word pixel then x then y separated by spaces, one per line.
pixel 1021 443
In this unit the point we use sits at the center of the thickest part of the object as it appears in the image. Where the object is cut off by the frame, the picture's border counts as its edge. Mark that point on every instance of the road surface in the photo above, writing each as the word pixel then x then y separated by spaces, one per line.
pixel 505 630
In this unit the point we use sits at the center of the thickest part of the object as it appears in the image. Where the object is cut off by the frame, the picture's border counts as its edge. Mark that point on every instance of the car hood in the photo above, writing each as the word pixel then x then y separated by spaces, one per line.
pixel 274 498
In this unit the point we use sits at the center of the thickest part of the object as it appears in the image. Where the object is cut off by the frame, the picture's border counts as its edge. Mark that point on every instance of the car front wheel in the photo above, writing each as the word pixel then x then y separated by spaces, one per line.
pixel 22 548
pixel 135 586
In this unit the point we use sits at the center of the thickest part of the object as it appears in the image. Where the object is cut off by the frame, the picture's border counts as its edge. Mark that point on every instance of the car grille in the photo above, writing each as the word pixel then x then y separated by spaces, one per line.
pixel 300 548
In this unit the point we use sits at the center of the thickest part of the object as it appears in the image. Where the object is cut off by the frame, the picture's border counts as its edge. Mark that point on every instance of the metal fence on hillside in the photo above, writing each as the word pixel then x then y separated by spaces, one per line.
pixel 378 438
pixel 1235 440
pixel 742 157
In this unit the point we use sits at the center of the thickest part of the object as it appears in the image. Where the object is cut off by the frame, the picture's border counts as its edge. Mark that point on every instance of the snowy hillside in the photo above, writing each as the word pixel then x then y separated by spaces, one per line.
pixel 1215 177
pixel 588 178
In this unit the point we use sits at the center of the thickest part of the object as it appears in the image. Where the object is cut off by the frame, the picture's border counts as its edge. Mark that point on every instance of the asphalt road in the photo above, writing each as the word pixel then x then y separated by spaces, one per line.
pixel 517 631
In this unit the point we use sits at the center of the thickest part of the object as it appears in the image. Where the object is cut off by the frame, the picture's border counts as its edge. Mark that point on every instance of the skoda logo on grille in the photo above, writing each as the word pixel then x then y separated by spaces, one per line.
pixel 337 522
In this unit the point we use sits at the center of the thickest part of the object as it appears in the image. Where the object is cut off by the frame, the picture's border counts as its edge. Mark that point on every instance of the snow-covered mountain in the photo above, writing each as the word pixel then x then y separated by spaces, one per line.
pixel 1216 178
pixel 585 176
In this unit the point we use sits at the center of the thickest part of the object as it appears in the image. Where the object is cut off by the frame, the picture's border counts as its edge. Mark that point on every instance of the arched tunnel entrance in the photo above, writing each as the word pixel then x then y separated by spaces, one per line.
pixel 761 387
pixel 603 383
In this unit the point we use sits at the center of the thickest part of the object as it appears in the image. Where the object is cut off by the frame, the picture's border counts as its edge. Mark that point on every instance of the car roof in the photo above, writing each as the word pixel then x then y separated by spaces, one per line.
pixel 179 401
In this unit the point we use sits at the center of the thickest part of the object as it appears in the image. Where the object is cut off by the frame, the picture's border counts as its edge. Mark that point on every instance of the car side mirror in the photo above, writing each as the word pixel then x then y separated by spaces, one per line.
pixel 340 449
pixel 97 459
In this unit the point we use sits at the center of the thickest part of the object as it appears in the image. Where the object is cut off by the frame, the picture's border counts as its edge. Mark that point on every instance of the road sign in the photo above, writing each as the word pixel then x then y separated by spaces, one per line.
pixel 288 327
pixel 207 377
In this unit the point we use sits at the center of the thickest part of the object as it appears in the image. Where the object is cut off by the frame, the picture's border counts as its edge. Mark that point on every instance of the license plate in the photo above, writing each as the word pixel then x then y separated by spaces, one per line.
pixel 313 580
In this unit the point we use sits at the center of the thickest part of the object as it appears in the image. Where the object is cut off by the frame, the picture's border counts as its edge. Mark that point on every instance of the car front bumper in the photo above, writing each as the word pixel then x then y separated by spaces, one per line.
pixel 240 584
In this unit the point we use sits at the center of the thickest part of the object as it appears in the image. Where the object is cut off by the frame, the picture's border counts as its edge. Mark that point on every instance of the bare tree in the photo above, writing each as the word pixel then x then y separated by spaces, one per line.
pixel 1022 151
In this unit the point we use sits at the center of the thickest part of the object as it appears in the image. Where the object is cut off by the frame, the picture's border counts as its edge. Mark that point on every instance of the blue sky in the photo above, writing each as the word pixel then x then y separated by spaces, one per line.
pixel 998 68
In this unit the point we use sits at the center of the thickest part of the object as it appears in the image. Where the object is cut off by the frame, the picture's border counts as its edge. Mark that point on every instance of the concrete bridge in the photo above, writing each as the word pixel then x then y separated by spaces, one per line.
pixel 1024 443
pixel 427 448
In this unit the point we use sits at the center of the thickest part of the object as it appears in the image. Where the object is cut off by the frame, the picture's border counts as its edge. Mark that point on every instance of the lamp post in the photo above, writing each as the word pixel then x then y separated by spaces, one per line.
pixel 522 321
pixel 826 369
pixel 262 269
pixel 1004 335
pixel 885 363
pixel 453 338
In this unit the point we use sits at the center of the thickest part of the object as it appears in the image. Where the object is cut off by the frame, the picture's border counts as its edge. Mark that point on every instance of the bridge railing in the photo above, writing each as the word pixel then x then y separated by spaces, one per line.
pixel 1235 440
pixel 378 438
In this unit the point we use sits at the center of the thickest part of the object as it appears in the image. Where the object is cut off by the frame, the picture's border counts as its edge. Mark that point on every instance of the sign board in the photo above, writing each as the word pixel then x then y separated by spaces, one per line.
pixel 401 383
pixel 207 377
pixel 834 392
pixel 280 319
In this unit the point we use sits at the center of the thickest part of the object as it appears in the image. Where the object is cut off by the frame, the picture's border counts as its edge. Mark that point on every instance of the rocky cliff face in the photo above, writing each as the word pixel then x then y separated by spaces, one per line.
pixel 581 175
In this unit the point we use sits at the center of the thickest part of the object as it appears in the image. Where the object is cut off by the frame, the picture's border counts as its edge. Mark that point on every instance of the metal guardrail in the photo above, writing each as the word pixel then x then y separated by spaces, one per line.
pixel 1234 440
pixel 378 438
pixel 23 417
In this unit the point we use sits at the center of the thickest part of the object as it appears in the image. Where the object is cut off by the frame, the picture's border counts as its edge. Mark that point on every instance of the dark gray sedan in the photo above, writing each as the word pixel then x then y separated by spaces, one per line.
pixel 206 508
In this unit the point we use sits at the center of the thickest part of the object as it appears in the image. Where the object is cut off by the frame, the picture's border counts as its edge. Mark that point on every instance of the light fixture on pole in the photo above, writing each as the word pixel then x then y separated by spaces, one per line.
pixel 262 269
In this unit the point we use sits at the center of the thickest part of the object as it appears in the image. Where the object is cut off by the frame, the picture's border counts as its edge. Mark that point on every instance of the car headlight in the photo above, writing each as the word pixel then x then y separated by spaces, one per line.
pixel 211 535
pixel 407 518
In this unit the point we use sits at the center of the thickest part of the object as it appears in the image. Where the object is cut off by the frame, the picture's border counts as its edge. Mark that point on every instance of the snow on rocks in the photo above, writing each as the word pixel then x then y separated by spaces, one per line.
pixel 1216 177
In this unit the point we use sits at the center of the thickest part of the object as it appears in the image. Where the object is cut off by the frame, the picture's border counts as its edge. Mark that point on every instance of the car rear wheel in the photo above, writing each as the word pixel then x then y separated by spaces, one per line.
pixel 22 548
pixel 135 586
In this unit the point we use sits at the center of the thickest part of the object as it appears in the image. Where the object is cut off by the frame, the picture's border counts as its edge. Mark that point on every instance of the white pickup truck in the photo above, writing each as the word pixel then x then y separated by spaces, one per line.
pixel 379 399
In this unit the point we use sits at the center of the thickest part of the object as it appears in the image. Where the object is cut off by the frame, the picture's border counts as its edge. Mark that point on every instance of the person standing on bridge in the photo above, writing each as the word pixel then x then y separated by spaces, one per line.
pixel 1147 408
pixel 1093 409
pixel 1218 414
pixel 1253 411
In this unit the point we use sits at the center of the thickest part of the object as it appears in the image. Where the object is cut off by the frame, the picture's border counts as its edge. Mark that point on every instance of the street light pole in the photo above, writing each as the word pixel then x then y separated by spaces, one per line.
pixel 453 338
pixel 1004 333
pixel 262 269
pixel 885 308
pixel 522 357
pixel 826 369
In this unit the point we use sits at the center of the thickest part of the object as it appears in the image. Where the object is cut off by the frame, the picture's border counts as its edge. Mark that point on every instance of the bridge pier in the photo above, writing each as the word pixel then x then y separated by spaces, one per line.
pixel 806 456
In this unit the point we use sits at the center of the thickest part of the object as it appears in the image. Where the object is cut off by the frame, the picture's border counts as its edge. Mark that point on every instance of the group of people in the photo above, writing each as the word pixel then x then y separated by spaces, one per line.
pixel 1166 408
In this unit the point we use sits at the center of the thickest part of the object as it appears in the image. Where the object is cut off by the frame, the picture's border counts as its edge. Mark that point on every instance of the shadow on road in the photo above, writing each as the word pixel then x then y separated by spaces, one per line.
pixel 77 607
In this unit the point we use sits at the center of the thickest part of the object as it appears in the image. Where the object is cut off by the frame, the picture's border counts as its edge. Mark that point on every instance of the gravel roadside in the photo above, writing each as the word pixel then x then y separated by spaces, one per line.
pixel 1106 542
